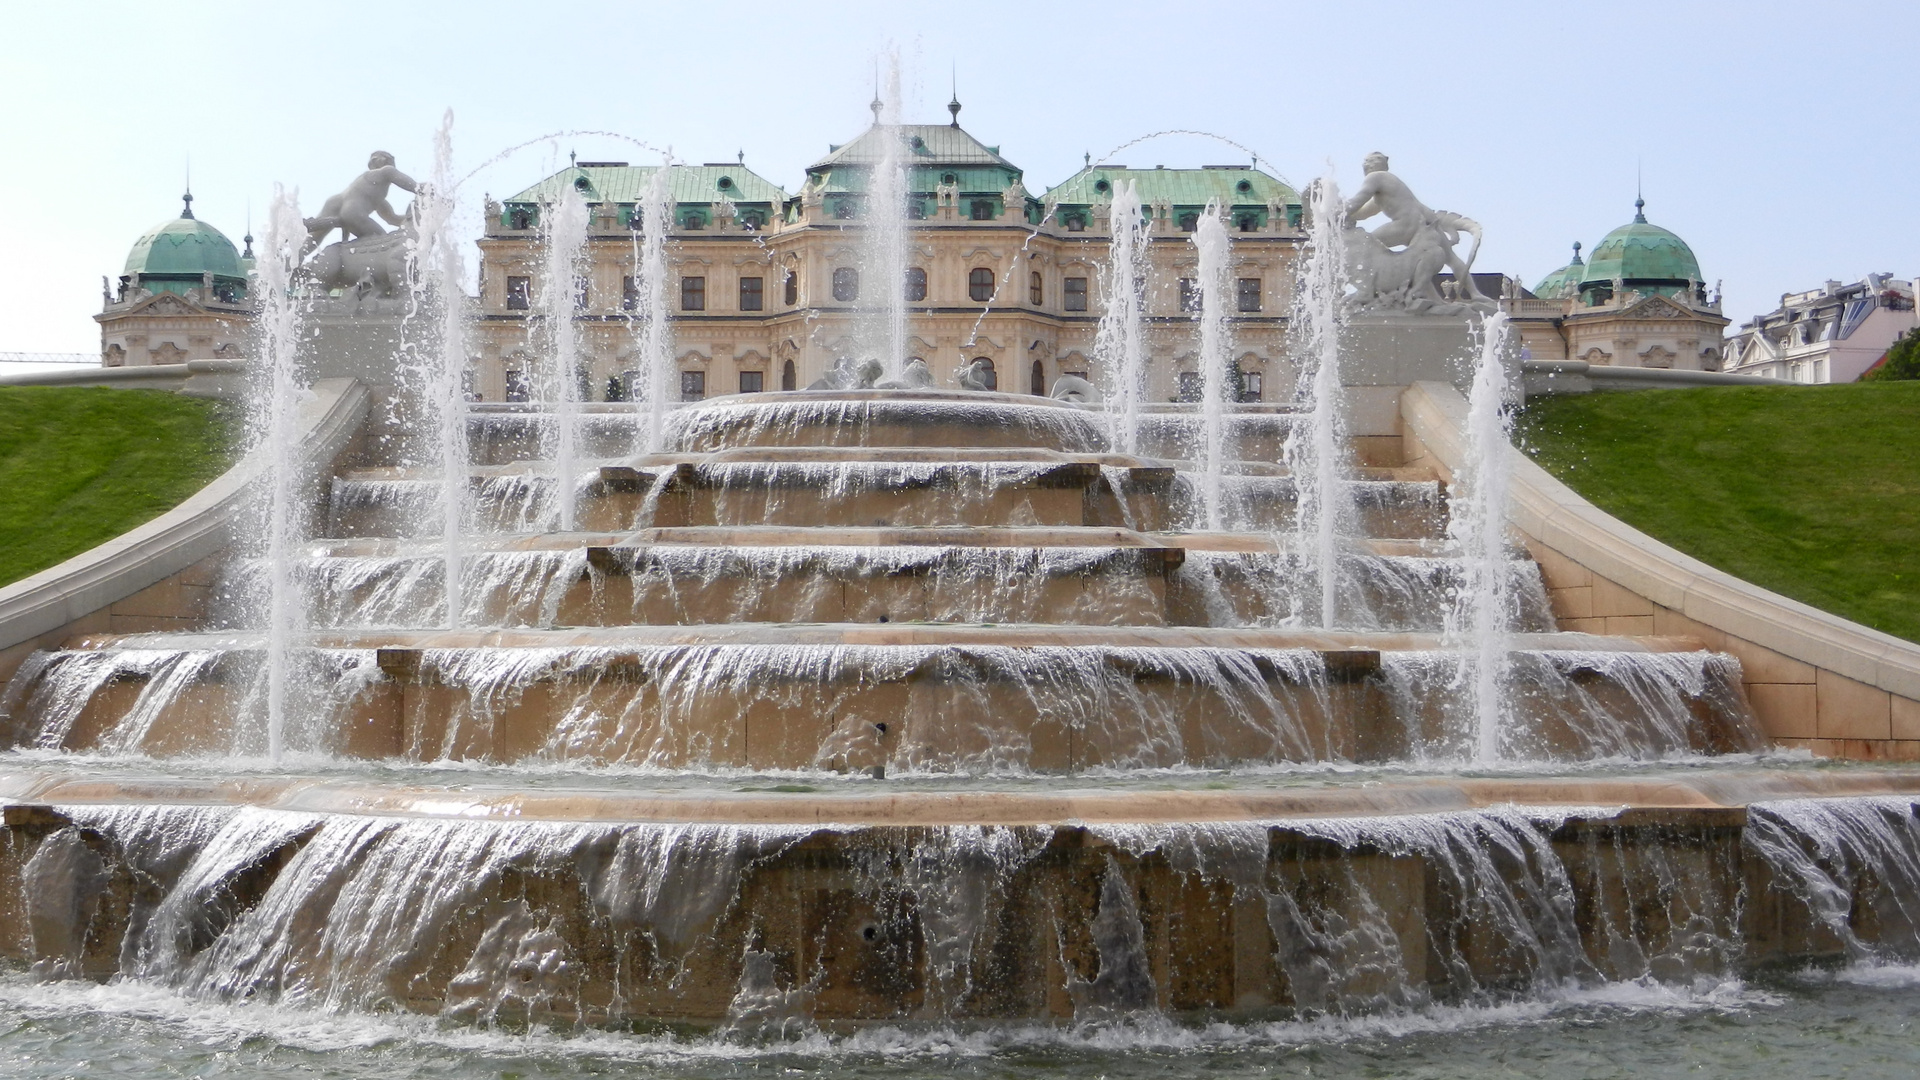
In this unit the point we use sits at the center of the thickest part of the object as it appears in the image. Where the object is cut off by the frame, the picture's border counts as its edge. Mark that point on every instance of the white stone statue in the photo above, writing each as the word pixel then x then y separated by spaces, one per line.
pixel 1394 266
pixel 975 374
pixel 914 375
pixel 1070 387
pixel 352 211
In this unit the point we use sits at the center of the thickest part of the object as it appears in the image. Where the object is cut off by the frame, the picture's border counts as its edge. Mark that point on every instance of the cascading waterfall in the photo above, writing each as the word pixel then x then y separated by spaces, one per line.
pixel 278 387
pixel 1480 618
pixel 1214 250
pixel 883 295
pixel 1118 348
pixel 564 228
pixel 1313 449
pixel 442 389
pixel 656 334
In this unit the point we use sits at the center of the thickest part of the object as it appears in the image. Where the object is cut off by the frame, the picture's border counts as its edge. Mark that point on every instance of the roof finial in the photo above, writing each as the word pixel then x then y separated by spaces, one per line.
pixel 953 107
pixel 573 159
pixel 1576 252
pixel 186 200
pixel 876 104
pixel 248 239
pixel 1087 159
pixel 1639 199
pixel 740 157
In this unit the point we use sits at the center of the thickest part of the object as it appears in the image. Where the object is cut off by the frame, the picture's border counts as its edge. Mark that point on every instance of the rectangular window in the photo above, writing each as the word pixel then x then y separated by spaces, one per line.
pixel 1189 294
pixel 693 385
pixel 752 382
pixel 1247 291
pixel 581 293
pixel 629 294
pixel 792 289
pixel 1190 386
pixel 1076 294
pixel 752 290
pixel 693 294
pixel 983 209
pixel 518 294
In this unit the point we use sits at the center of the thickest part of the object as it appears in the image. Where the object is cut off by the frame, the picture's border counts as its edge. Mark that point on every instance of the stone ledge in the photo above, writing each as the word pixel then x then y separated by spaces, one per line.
pixel 60 596
pixel 1795 643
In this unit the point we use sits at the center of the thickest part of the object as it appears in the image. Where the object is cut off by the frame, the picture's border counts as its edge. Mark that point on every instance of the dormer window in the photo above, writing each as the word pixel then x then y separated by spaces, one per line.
pixel 753 221
pixel 725 183
pixel 1247 222
pixel 1102 186
pixel 520 217
pixel 949 178
pixel 1076 223
pixel 916 210
pixel 582 184
pixel 843 210
pixel 983 210
pixel 1189 222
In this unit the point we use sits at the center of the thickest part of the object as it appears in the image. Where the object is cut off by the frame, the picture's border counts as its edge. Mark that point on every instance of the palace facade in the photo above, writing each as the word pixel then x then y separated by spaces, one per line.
pixel 768 290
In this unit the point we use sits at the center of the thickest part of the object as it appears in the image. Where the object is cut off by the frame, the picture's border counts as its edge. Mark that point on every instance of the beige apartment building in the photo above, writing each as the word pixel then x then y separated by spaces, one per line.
pixel 768 290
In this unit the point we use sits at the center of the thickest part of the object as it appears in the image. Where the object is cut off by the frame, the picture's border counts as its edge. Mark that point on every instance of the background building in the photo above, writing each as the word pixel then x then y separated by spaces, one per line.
pixel 181 297
pixel 1827 335
pixel 1638 302
pixel 769 289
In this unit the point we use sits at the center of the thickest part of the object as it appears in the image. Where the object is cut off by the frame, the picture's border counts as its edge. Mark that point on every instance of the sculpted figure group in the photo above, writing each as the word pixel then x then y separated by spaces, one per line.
pixel 1395 266
pixel 369 261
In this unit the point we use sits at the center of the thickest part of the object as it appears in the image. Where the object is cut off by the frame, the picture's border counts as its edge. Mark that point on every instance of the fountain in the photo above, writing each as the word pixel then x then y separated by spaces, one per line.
pixel 802 715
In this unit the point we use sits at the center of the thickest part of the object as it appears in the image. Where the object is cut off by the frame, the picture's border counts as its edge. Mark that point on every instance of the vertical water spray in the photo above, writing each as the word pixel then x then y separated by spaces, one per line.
pixel 564 223
pixel 1313 449
pixel 656 335
pixel 1479 619
pixel 1118 347
pixel 884 304
pixel 276 394
pixel 1215 249
pixel 442 386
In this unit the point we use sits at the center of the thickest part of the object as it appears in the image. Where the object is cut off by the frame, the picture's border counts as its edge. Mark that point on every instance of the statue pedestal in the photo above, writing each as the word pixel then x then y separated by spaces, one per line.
pixel 1383 353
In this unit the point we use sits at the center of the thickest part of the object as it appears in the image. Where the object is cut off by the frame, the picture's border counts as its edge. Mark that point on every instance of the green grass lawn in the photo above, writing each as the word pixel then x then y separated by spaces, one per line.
pixel 1813 492
pixel 80 465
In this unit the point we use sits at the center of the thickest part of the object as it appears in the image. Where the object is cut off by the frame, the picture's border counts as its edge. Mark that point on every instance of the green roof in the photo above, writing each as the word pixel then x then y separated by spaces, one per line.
pixel 1643 253
pixel 182 249
pixel 1564 281
pixel 928 144
pixel 934 154
pixel 1234 185
pixel 628 184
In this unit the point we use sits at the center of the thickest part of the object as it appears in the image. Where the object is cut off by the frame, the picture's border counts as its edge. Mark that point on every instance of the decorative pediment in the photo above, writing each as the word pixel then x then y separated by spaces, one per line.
pixel 1656 307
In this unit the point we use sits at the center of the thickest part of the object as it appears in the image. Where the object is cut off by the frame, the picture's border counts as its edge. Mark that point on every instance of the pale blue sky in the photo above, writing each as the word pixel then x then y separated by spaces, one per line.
pixel 1779 139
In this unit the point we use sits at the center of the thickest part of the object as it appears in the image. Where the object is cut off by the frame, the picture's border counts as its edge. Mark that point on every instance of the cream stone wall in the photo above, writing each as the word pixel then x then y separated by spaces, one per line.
pixel 946 330
pixel 167 328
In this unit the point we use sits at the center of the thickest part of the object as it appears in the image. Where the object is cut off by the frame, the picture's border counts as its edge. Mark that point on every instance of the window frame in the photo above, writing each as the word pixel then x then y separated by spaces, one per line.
pixel 846 285
pixel 1248 293
pixel 915 288
pixel 1036 289
pixel 753 294
pixel 693 386
pixel 976 284
pixel 693 287
pixel 1076 293
pixel 519 295
pixel 757 378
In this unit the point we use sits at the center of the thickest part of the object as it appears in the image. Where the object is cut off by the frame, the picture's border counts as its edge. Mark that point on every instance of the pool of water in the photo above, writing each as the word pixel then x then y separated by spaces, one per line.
pixel 1856 1023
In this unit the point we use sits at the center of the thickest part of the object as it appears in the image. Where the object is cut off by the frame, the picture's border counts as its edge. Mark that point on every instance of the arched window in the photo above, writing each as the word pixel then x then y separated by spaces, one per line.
pixel 1248 222
pixel 1037 380
pixel 1076 223
pixel 789 379
pixel 983 210
pixel 916 284
pixel 986 368
pixel 1189 222
pixel 846 284
pixel 980 284
pixel 1034 293
pixel 792 288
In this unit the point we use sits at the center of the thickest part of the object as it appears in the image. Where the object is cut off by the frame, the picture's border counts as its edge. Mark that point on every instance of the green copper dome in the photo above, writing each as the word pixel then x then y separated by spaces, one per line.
pixel 174 255
pixel 1563 282
pixel 1644 255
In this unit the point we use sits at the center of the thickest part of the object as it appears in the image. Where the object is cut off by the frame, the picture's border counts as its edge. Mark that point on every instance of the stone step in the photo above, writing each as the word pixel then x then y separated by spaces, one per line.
pixel 926 698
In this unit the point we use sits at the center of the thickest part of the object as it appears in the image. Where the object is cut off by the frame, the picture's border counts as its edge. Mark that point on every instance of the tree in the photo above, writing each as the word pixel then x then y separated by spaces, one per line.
pixel 1902 362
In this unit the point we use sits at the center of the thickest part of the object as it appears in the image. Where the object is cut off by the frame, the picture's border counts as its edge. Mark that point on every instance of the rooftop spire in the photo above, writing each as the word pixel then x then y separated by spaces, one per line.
pixel 1576 253
pixel 186 205
pixel 876 104
pixel 1639 211
pixel 953 107
pixel 248 239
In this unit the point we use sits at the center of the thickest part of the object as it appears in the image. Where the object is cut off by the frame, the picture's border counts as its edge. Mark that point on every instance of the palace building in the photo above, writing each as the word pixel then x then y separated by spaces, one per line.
pixel 1639 302
pixel 768 289
pixel 182 296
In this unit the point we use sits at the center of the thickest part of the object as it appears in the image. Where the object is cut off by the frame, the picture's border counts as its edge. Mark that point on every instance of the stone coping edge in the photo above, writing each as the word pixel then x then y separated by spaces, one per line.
pixel 1553 514
pixel 177 539
pixel 25 793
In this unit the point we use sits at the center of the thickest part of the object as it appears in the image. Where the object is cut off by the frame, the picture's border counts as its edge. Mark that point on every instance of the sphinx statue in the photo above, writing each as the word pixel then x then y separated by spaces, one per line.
pixel 1394 267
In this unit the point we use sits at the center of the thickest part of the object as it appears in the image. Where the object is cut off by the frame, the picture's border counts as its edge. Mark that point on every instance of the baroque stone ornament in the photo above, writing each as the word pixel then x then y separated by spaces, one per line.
pixel 1394 266
pixel 369 261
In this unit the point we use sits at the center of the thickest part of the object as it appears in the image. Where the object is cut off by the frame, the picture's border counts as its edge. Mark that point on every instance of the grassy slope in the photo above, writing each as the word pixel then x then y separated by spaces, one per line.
pixel 81 465
pixel 1813 492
